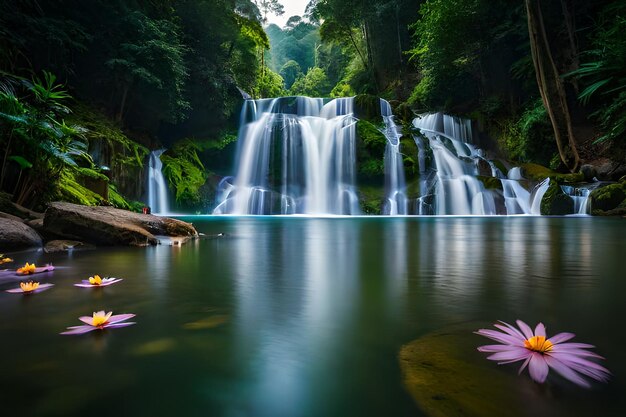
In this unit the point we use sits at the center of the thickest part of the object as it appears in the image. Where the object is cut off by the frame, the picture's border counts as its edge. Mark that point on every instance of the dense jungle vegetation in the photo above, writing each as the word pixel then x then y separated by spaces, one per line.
pixel 87 88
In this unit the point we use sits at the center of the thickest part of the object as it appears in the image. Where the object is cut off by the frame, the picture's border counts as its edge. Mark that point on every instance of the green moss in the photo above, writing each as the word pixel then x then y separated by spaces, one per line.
pixel 68 189
pixel 538 173
pixel 92 174
pixel 555 202
pixel 371 199
pixel 370 150
pixel 185 172
pixel 490 183
pixel 409 156
pixel 608 198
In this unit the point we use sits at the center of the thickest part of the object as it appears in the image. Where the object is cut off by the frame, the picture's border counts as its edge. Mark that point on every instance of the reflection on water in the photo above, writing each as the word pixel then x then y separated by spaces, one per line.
pixel 305 317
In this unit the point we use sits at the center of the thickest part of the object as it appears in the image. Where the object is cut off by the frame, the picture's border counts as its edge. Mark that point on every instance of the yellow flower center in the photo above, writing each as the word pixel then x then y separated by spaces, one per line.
pixel 95 280
pixel 538 344
pixel 29 286
pixel 100 319
pixel 27 269
pixel 5 260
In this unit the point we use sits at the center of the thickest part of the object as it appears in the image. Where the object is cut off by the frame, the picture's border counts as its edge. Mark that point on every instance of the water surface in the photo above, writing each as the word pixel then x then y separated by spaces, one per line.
pixel 305 316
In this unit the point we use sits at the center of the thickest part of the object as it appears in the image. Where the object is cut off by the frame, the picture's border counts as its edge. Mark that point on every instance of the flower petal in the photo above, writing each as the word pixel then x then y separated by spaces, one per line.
pixel 43 287
pixel 540 330
pixel 561 337
pixel 525 328
pixel 538 368
pixel 15 291
pixel 83 285
pixel 495 348
pixel 120 317
pixel 514 354
pixel 500 337
pixel 566 372
pixel 87 320
pixel 506 327
pixel 117 325
pixel 79 330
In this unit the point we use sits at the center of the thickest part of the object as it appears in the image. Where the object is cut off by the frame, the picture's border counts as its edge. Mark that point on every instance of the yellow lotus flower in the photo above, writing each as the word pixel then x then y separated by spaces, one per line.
pixel 29 286
pixel 100 321
pixel 100 318
pixel 5 260
pixel 27 269
pixel 95 280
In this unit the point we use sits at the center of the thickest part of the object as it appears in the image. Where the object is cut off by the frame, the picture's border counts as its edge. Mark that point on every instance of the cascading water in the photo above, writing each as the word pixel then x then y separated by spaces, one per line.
pixel 396 202
pixel 296 155
pixel 454 187
pixel 157 188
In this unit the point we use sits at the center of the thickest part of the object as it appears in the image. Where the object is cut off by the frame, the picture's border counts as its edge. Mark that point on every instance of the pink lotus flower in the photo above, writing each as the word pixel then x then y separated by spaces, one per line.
pixel 30 287
pixel 100 321
pixel 96 281
pixel 30 269
pixel 540 353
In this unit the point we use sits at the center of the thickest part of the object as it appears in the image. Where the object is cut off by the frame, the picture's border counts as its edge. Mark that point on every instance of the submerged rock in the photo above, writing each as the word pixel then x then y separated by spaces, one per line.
pixel 447 377
pixel 111 226
pixel 65 246
pixel 15 235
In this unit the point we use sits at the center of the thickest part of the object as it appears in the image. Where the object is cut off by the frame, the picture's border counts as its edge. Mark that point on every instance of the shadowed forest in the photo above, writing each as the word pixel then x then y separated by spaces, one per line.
pixel 88 88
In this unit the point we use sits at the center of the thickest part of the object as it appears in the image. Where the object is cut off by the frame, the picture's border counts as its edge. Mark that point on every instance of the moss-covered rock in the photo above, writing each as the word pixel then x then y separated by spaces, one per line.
pixel 608 198
pixel 539 173
pixel 371 199
pixel 555 202
pixel 490 183
pixel 402 111
pixel 370 150
pixel 410 156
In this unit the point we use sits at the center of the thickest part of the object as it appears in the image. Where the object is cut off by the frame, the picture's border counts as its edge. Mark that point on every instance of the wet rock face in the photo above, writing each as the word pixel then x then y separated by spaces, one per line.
pixel 15 235
pixel 605 200
pixel 111 226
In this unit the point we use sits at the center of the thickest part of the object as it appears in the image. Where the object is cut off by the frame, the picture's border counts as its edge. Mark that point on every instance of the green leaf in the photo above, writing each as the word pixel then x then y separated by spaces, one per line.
pixel 22 162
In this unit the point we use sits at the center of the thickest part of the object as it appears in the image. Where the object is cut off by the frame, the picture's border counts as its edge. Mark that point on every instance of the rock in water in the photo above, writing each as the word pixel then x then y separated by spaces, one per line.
pixel 16 235
pixel 111 226
pixel 447 377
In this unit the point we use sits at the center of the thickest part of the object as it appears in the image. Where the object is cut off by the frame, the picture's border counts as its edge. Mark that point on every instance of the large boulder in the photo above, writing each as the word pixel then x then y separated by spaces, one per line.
pixel 111 226
pixel 15 235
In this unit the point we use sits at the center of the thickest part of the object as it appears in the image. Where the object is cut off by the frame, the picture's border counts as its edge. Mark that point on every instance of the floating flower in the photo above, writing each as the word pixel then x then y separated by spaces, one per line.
pixel 27 269
pixel 30 287
pixel 540 353
pixel 4 260
pixel 30 269
pixel 96 281
pixel 100 321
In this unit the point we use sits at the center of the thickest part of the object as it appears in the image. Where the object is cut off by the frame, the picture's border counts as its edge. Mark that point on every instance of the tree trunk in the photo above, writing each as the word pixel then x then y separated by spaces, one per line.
pixel 551 87
pixel 120 115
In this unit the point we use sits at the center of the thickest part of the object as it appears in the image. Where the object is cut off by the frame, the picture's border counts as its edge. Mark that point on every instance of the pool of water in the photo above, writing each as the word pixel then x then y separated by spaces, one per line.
pixel 306 316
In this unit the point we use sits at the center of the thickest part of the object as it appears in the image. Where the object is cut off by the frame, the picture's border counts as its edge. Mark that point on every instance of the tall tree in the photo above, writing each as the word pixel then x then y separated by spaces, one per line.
pixel 269 7
pixel 551 87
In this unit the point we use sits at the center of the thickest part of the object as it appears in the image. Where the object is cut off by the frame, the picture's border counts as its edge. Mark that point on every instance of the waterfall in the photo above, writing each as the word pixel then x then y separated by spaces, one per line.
pixel 296 155
pixel 580 196
pixel 455 186
pixel 395 187
pixel 537 195
pixel 157 188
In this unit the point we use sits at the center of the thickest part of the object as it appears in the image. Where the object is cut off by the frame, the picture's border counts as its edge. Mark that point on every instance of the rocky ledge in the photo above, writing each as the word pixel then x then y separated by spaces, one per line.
pixel 111 226
pixel 86 226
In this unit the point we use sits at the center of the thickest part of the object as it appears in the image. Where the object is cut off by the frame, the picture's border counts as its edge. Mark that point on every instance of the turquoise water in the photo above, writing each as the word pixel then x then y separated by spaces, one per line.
pixel 306 316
